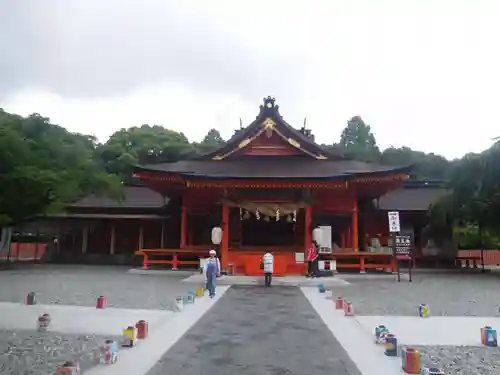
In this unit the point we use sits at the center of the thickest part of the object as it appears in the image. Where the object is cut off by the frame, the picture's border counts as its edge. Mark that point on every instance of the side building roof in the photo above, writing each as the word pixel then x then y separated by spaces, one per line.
pixel 412 196
pixel 134 197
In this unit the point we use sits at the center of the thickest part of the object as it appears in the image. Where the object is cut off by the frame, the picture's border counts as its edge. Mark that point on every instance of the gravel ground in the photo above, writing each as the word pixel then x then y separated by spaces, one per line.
pixel 33 353
pixel 446 294
pixel 40 353
pixel 462 360
pixel 30 353
pixel 81 285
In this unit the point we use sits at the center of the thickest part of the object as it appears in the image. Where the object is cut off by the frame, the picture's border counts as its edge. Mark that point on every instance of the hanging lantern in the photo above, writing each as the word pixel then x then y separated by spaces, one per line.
pixel 289 219
pixel 277 214
pixel 294 216
pixel 266 218
pixel 257 214
pixel 246 215
pixel 216 235
pixel 241 213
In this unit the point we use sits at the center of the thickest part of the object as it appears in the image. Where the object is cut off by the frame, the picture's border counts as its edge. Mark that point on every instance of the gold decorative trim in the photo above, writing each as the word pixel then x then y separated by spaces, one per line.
pixel 294 143
pixel 244 143
pixel 297 145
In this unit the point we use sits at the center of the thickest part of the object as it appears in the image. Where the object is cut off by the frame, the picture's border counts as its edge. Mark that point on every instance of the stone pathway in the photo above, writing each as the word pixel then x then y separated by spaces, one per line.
pixel 253 330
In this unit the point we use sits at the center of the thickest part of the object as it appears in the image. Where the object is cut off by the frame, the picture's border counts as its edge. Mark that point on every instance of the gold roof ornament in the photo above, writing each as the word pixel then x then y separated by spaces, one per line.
pixel 269 124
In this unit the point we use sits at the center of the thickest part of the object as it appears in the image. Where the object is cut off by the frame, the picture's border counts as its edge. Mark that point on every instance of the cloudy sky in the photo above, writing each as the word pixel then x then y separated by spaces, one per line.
pixel 424 73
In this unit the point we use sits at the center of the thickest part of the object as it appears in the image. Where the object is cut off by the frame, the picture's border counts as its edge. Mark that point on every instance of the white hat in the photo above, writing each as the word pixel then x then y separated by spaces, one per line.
pixel 212 252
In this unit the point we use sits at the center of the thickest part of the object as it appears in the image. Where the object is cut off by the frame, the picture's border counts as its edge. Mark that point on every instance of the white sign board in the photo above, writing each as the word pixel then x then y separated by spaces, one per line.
pixel 394 225
pixel 299 257
pixel 326 237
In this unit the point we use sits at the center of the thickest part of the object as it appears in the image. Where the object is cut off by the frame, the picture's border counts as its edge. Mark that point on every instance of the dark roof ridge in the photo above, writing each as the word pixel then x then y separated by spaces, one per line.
pixel 281 167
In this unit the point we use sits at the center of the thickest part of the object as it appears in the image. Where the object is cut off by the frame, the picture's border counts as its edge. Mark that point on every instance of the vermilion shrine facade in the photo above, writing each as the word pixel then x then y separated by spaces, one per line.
pixel 267 188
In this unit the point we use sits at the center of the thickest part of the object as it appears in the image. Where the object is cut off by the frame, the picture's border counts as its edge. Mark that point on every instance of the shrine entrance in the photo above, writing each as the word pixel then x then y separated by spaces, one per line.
pixel 268 224
pixel 267 232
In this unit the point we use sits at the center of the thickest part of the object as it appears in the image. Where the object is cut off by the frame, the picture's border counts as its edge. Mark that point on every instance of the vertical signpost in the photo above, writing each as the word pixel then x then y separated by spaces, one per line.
pixel 401 244
pixel 402 251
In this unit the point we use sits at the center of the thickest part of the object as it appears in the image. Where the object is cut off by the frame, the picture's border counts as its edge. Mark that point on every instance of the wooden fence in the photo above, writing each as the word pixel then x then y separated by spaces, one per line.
pixel 491 257
pixel 25 251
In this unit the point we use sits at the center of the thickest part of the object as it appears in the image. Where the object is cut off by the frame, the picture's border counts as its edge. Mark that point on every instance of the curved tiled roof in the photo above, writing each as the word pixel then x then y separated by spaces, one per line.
pixel 262 167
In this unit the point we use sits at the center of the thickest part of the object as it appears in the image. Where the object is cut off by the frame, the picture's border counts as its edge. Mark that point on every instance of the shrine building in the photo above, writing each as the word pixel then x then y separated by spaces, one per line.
pixel 267 188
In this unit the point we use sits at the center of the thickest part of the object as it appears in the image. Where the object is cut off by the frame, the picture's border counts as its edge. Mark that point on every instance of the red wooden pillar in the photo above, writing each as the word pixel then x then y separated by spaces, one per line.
pixel 224 246
pixel 307 231
pixel 190 235
pixel 175 261
pixel 183 227
pixel 354 225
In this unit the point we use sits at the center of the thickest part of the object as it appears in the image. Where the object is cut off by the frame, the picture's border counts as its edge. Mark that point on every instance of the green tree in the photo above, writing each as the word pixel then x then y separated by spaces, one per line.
pixel 43 167
pixel 213 138
pixel 211 142
pixel 474 201
pixel 426 166
pixel 358 141
pixel 143 145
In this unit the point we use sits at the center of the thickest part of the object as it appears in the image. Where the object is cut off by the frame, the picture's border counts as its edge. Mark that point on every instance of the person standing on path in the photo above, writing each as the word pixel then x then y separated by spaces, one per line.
pixel 268 261
pixel 212 271
pixel 312 256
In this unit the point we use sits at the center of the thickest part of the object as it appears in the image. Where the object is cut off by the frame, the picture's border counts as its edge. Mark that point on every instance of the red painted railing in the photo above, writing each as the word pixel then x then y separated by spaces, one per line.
pixel 491 257
pixel 25 251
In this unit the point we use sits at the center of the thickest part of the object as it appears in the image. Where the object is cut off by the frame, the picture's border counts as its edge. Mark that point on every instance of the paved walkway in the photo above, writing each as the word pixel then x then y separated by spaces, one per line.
pixel 253 330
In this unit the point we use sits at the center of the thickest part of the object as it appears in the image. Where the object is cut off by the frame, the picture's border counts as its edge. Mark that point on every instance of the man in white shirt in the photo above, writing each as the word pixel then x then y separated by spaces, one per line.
pixel 268 261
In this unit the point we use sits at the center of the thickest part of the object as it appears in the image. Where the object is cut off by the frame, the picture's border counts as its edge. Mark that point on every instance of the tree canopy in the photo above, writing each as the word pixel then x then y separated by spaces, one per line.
pixel 473 207
pixel 44 167
pixel 358 142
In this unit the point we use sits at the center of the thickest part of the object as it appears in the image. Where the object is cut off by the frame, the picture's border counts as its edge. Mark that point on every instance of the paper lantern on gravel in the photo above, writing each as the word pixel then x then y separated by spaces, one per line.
pixel 31 298
pixel 44 321
pixel 378 332
pixel 216 235
pixel 110 350
pixel 428 370
pixel 129 336
pixel 142 329
pixel 69 368
pixel 411 361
